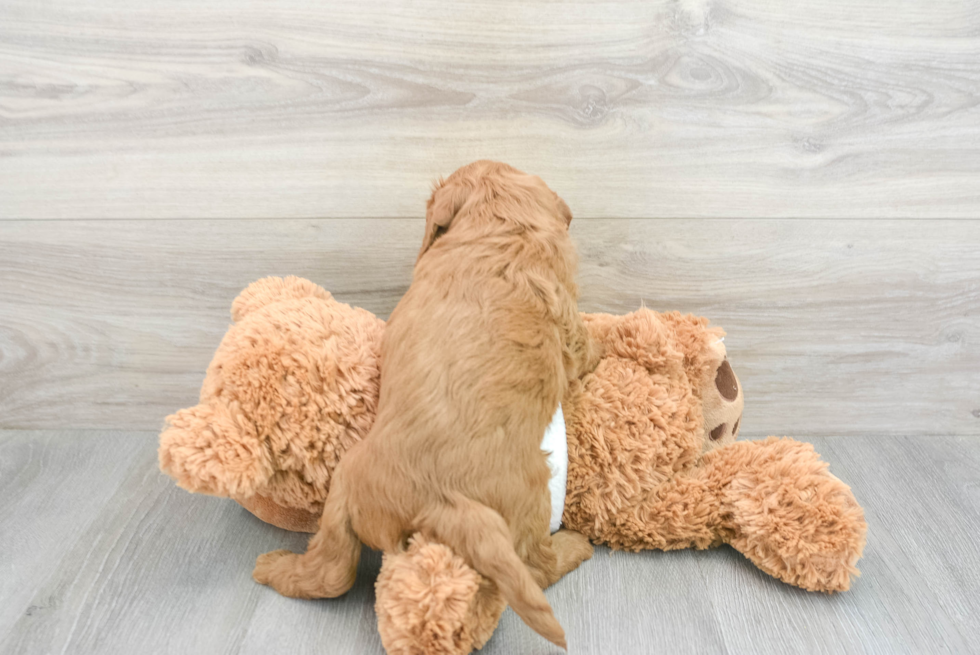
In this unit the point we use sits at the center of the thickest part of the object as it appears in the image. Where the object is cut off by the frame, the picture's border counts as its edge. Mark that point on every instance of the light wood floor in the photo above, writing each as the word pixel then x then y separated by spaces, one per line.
pixel 103 555
pixel 156 157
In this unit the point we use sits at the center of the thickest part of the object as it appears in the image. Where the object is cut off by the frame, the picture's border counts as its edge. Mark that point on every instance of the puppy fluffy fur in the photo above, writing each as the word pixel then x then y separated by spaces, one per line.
pixel 474 361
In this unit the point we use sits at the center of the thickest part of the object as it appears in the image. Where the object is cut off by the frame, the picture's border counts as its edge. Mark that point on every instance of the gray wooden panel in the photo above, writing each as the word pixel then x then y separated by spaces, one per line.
pixel 657 108
pixel 157 570
pixel 835 327
pixel 53 487
pixel 112 323
pixel 919 591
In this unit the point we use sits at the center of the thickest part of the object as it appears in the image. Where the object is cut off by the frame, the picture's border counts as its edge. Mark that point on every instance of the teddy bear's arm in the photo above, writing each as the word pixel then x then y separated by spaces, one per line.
pixel 782 508
pixel 772 500
pixel 205 451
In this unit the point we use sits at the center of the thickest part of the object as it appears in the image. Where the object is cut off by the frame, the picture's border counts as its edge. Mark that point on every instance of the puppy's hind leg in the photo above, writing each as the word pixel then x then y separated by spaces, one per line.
pixel 481 536
pixel 572 548
pixel 328 567
pixel 550 558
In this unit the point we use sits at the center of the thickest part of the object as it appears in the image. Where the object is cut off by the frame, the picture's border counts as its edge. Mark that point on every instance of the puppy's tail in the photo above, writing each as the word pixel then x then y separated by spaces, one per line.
pixel 481 536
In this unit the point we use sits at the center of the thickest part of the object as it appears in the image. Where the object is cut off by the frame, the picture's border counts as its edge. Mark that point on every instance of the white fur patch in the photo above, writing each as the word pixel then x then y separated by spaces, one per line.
pixel 555 444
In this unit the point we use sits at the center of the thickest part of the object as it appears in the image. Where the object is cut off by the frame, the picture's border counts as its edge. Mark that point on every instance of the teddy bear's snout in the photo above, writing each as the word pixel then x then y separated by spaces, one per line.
pixel 726 382
pixel 722 430
pixel 723 411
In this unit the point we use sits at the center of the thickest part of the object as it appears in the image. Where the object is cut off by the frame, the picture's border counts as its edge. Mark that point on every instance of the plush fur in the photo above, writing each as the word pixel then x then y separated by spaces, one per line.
pixel 296 362
pixel 439 604
pixel 648 465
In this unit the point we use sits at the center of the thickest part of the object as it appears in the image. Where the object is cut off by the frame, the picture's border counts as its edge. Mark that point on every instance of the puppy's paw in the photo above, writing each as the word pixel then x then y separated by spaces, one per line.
pixel 269 564
pixel 572 548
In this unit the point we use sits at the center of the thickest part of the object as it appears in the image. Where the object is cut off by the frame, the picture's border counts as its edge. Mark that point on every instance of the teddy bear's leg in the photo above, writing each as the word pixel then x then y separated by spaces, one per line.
pixel 430 602
pixel 328 567
pixel 791 516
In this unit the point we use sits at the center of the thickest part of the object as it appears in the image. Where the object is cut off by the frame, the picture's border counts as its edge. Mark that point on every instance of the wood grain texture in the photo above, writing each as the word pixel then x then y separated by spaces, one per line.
pixel 145 573
pixel 834 327
pixel 155 569
pixel 53 487
pixel 629 108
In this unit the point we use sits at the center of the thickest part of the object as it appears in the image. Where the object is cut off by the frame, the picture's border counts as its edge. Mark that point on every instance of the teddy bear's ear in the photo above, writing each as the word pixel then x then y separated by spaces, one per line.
pixel 273 289
pixel 702 344
pixel 207 451
pixel 600 327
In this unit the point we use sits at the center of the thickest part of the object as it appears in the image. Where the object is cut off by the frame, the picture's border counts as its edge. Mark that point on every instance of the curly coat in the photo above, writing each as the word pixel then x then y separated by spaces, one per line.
pixel 475 359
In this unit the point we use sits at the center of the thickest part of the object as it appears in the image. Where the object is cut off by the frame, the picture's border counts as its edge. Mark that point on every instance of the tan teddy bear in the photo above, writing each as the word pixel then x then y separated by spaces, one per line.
pixel 652 459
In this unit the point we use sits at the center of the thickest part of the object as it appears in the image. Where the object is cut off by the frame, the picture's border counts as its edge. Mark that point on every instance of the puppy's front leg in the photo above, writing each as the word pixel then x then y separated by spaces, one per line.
pixel 580 353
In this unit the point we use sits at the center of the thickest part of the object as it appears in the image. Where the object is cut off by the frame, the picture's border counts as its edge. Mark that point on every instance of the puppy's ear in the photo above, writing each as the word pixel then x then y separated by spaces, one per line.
pixel 564 210
pixel 447 199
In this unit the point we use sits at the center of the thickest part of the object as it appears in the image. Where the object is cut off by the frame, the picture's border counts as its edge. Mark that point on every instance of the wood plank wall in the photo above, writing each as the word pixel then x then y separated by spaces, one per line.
pixel 155 158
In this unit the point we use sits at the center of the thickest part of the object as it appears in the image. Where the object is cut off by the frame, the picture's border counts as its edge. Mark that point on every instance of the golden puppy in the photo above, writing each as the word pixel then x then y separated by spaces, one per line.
pixel 474 361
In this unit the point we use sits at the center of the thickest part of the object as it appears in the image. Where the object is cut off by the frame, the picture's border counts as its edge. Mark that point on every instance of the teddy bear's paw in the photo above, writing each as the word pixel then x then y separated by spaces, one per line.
pixel 795 520
pixel 429 602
